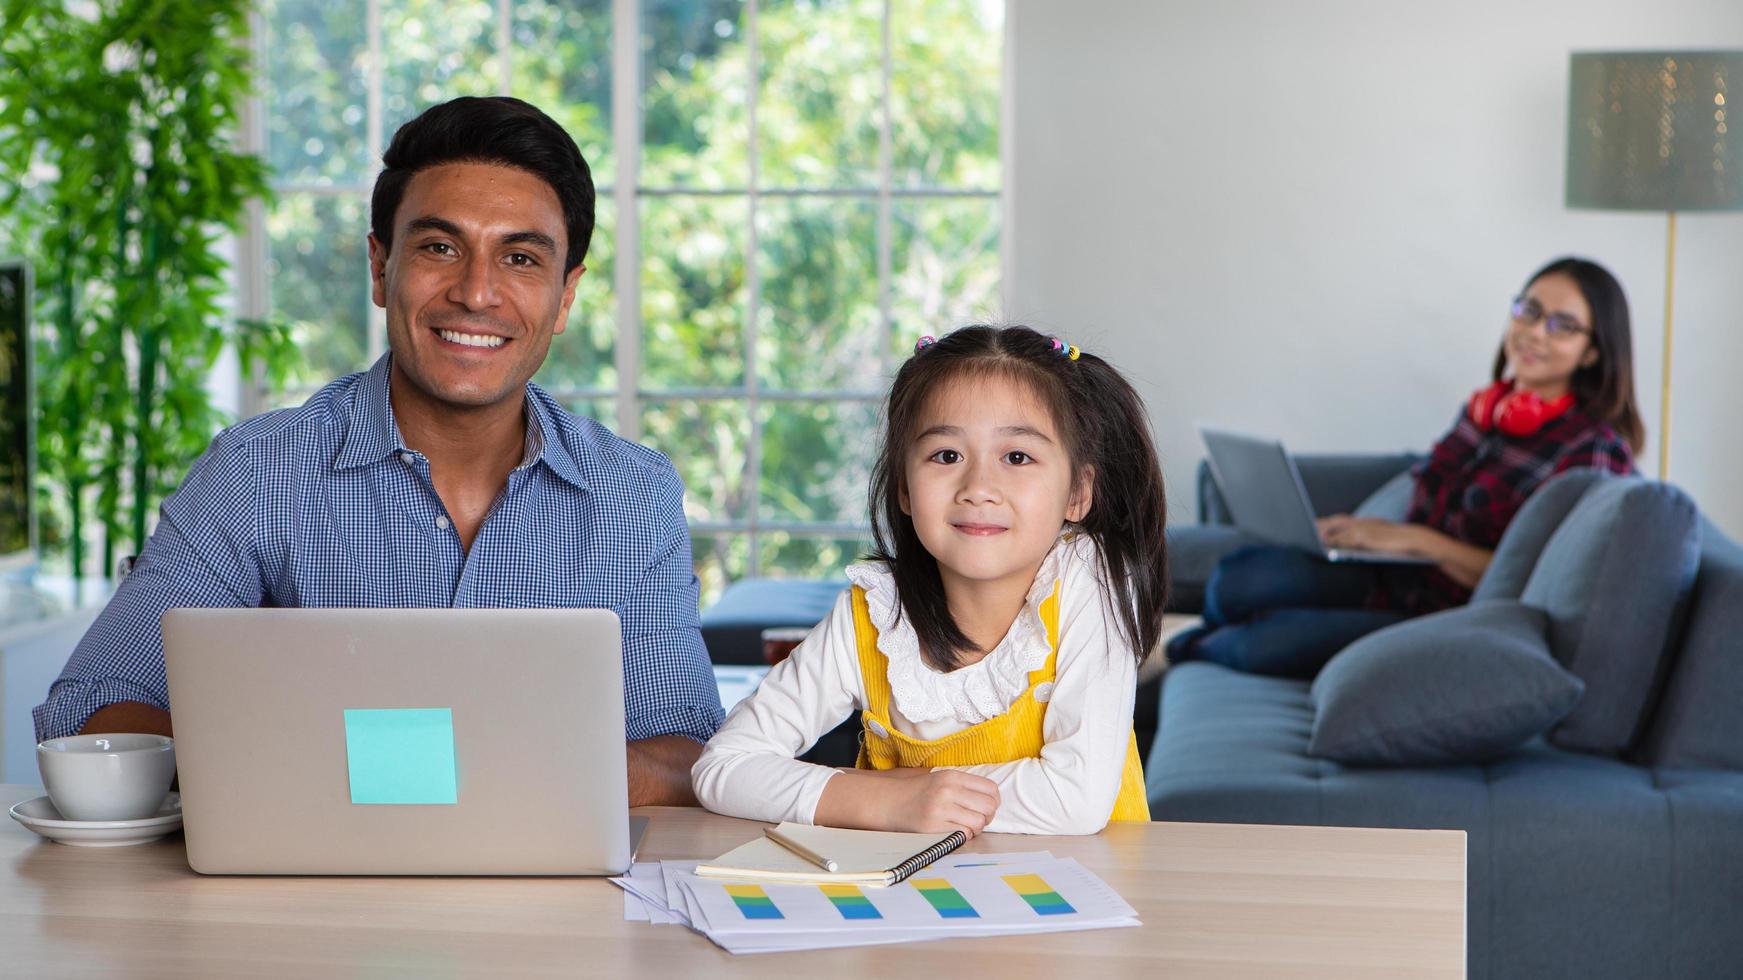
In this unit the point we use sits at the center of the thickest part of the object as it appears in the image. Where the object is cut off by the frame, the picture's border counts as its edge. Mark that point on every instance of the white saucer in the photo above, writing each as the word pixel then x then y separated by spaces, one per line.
pixel 41 816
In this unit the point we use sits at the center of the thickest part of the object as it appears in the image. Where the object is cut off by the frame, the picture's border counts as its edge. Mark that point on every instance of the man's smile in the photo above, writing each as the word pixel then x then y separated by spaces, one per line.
pixel 475 340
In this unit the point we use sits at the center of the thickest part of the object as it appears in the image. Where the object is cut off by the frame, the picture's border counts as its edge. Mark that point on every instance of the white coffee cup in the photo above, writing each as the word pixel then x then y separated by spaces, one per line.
pixel 109 776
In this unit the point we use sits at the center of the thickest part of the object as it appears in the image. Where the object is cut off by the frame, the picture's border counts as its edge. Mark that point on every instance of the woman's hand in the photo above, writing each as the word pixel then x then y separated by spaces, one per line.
pixel 1370 534
pixel 929 801
pixel 1463 563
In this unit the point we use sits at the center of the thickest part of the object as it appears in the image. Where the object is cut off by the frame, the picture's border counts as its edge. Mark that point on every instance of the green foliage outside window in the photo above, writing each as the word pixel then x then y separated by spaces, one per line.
pixel 117 148
pixel 117 135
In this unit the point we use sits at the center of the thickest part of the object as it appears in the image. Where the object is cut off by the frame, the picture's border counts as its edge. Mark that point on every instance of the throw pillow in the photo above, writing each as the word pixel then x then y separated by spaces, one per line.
pixel 1614 579
pixel 1530 530
pixel 1463 685
pixel 1392 501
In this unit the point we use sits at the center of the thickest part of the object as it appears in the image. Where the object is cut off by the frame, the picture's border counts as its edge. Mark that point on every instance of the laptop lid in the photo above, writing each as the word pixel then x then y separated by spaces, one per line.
pixel 400 741
pixel 1263 489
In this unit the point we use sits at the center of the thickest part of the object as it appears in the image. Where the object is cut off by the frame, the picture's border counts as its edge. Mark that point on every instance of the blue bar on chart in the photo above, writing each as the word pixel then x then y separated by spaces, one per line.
pixel 944 898
pixel 1039 894
pixel 850 902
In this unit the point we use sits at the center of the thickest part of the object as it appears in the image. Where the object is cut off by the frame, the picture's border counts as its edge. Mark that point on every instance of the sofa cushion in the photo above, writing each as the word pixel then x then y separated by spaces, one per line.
pixel 1579 865
pixel 1392 501
pixel 1530 530
pixel 1698 723
pixel 1613 578
pixel 1462 685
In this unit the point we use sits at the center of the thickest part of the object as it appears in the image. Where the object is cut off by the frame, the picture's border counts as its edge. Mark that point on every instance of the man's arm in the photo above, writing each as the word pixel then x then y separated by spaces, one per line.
pixel 659 770
pixel 129 716
pixel 200 555
pixel 671 701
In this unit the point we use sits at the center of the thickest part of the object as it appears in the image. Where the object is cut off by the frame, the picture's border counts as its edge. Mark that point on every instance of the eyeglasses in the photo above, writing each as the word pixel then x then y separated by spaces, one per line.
pixel 1528 311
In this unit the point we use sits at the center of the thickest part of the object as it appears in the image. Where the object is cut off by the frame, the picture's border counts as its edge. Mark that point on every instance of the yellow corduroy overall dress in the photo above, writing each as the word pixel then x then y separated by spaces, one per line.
pixel 1016 734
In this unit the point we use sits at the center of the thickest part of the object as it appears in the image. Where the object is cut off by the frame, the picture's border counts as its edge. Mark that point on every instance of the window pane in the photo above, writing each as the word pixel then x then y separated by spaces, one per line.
pixel 319 269
pixel 314 55
pixel 707 441
pixel 695 129
pixel 581 356
pixel 431 52
pixel 945 266
pixel 693 291
pixel 601 410
pixel 719 559
pixel 819 107
pixel 562 64
pixel 818 328
pixel 802 556
pixel 945 58
pixel 816 459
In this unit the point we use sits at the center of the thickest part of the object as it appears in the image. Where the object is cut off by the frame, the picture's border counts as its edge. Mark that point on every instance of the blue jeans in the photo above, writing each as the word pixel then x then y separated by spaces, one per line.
pixel 1282 611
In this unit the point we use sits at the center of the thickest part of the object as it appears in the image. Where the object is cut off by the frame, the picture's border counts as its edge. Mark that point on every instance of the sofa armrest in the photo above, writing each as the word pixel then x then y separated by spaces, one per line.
pixel 1193 553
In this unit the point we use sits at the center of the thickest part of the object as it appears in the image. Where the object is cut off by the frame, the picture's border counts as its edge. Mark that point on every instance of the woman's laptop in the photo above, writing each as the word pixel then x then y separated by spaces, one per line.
pixel 1267 499
pixel 400 741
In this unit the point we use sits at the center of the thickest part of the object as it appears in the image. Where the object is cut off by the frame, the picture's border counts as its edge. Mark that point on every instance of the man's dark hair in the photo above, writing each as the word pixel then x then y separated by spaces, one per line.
pixel 498 130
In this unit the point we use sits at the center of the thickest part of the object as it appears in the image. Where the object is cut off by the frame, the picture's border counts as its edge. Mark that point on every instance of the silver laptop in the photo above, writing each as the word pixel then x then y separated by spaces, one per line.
pixel 1267 499
pixel 400 741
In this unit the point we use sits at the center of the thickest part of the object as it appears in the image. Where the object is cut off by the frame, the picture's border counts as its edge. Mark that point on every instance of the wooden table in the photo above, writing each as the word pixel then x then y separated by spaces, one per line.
pixel 1219 900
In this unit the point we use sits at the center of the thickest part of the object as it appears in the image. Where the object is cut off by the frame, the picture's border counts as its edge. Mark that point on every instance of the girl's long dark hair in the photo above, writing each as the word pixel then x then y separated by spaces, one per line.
pixel 1106 431
pixel 1605 390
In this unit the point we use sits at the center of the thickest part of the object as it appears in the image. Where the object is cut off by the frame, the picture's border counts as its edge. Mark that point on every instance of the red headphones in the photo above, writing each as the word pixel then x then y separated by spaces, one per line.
pixel 1514 412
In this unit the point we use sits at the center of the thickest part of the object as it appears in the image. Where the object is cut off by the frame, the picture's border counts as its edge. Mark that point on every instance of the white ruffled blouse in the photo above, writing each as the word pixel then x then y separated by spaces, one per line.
pixel 749 768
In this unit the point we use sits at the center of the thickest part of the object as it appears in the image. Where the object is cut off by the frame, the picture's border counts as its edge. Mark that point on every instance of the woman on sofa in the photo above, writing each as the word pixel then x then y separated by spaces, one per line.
pixel 1561 398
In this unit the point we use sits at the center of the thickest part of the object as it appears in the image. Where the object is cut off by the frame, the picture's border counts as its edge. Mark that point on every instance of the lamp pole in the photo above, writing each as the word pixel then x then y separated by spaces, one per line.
pixel 1664 385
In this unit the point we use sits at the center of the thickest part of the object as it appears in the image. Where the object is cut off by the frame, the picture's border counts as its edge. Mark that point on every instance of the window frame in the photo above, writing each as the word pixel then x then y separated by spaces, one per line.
pixel 630 396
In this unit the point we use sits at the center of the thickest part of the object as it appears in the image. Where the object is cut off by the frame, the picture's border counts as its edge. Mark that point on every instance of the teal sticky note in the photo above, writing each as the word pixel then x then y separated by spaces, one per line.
pixel 401 755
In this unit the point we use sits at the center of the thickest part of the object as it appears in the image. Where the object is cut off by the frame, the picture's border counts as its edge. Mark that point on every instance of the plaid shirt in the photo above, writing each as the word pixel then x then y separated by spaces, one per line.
pixel 324 505
pixel 1473 482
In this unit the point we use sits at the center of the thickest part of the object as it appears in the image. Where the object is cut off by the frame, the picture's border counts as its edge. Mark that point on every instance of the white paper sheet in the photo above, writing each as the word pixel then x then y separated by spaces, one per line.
pixel 968 898
pixel 667 892
pixel 644 895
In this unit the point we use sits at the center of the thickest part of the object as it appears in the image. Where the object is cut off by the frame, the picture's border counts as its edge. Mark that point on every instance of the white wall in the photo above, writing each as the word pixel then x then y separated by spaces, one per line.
pixel 1307 219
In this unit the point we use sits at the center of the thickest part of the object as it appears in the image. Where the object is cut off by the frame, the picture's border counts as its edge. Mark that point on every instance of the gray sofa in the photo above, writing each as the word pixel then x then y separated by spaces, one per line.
pixel 1579 865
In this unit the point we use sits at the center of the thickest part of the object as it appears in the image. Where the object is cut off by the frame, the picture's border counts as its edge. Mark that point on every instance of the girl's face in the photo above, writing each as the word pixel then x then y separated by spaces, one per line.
pixel 988 483
pixel 1543 355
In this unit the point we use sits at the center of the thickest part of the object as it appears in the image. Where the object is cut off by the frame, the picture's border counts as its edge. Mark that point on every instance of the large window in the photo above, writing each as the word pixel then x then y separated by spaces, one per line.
pixel 805 186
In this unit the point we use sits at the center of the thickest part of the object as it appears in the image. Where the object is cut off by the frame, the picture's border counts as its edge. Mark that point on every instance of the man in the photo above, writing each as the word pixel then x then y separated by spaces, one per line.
pixel 441 476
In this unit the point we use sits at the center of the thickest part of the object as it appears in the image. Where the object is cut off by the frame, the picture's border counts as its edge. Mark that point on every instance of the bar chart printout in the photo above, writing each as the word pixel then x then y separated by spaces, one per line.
pixel 1004 895
pixel 850 902
pixel 944 898
pixel 1039 894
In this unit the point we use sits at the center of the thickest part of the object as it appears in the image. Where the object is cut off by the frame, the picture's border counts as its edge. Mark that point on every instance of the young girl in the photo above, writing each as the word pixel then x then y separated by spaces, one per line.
pixel 991 645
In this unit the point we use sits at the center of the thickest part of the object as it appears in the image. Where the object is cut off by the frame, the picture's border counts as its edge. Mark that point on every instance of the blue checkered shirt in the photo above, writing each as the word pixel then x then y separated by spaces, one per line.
pixel 323 505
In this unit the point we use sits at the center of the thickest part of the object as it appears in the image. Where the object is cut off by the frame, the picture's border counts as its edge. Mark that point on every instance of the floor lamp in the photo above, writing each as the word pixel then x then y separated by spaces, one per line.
pixel 1656 131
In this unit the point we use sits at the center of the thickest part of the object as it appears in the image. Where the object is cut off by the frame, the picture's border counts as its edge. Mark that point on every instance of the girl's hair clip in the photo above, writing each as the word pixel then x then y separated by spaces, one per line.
pixel 924 342
pixel 1068 351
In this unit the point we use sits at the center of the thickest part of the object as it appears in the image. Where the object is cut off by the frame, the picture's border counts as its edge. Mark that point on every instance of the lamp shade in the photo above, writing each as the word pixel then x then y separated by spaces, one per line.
pixel 1655 131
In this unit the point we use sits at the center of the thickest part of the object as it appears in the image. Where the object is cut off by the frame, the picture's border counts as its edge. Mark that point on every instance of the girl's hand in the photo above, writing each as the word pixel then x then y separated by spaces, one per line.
pixel 939 801
pixel 1367 534
pixel 929 801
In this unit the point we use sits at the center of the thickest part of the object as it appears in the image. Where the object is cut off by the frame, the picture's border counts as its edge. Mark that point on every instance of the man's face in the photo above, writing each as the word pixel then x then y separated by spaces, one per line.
pixel 474 286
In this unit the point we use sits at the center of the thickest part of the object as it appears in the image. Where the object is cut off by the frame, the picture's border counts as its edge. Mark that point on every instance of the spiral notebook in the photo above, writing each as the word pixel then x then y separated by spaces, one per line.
pixel 864 857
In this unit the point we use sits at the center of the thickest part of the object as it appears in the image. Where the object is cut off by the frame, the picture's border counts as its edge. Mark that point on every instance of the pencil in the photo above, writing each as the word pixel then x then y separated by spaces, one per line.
pixel 801 850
